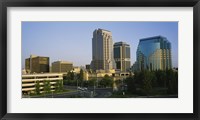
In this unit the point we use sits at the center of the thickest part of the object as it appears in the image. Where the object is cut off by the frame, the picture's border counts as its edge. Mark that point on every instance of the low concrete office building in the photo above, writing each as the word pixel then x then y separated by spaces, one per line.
pixel 61 66
pixel 37 64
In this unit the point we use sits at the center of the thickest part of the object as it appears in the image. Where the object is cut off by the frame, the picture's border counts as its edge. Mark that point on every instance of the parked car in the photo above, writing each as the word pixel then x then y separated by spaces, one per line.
pixel 85 89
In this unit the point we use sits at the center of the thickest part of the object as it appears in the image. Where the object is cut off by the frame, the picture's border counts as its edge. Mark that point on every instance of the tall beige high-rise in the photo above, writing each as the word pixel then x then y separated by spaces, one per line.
pixel 102 50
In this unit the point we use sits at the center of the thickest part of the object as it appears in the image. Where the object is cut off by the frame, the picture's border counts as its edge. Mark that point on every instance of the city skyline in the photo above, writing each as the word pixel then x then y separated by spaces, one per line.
pixel 52 39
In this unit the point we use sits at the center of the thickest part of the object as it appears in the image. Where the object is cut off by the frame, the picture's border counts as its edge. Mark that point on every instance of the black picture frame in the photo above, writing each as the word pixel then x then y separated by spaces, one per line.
pixel 99 3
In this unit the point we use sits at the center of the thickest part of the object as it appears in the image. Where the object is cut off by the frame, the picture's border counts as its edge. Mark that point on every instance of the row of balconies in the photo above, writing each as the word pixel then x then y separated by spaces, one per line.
pixel 34 80
pixel 33 84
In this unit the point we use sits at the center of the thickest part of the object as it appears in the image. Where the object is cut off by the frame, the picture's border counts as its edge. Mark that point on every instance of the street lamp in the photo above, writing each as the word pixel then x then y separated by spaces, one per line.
pixel 97 79
pixel 28 94
pixel 123 87
pixel 94 88
pixel 75 76
pixel 76 82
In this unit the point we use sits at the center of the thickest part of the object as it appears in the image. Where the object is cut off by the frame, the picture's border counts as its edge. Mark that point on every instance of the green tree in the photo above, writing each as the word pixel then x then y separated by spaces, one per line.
pixel 144 81
pixel 80 77
pixel 70 76
pixel 37 87
pixel 92 82
pixel 118 83
pixel 131 86
pixel 106 81
pixel 138 79
pixel 60 85
pixel 57 86
pixel 47 86
pixel 147 82
pixel 85 83
pixel 71 79
pixel 161 78
pixel 172 81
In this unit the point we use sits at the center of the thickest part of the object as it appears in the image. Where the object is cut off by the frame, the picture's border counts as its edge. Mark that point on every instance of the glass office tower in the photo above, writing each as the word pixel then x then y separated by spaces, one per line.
pixel 154 53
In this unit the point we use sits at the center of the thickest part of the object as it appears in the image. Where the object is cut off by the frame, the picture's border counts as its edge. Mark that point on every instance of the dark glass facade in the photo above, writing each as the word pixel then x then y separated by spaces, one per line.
pixel 122 56
pixel 61 66
pixel 37 64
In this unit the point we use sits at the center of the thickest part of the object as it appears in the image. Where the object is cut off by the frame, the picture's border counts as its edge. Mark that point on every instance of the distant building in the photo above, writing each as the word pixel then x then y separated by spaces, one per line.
pixel 61 66
pixel 24 71
pixel 99 75
pixel 37 64
pixel 29 82
pixel 50 69
pixel 87 67
pixel 76 69
pixel 154 53
pixel 122 56
pixel 134 66
pixel 102 50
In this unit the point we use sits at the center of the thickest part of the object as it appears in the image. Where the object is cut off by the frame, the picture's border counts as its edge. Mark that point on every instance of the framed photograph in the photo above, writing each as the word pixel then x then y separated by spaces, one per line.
pixel 63 59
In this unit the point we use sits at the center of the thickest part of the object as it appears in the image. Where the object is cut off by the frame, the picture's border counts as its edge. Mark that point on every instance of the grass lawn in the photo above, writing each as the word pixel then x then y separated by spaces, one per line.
pixel 59 92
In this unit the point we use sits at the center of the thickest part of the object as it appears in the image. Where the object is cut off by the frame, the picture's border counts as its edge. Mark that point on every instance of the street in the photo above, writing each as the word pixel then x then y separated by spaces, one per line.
pixel 102 92
pixel 74 93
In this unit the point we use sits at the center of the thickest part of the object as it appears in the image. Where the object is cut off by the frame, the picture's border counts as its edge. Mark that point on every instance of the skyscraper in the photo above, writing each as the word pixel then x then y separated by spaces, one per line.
pixel 37 64
pixel 122 56
pixel 154 53
pixel 102 50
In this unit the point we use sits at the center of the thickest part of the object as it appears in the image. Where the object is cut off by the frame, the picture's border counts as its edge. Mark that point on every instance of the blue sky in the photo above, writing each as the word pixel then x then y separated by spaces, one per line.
pixel 72 41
